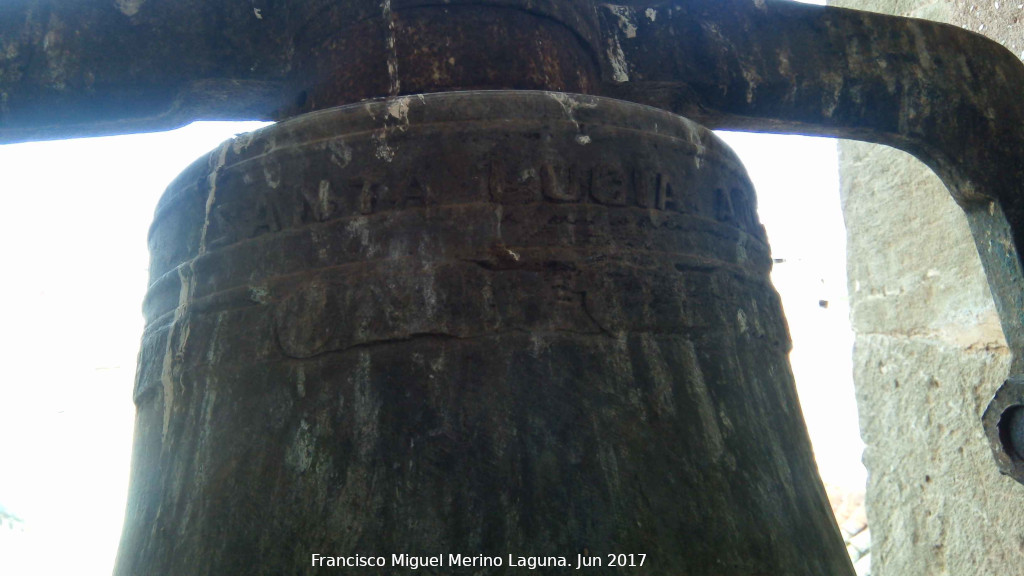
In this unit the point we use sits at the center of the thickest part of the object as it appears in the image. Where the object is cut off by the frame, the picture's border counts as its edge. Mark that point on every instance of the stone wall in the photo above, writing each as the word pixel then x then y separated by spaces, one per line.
pixel 928 351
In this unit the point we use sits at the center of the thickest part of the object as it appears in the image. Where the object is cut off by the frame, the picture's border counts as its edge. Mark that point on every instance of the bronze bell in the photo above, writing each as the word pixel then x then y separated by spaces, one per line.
pixel 482 323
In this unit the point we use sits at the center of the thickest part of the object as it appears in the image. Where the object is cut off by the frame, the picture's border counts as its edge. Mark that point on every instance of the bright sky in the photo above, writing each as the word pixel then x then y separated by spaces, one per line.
pixel 73 243
pixel 797 184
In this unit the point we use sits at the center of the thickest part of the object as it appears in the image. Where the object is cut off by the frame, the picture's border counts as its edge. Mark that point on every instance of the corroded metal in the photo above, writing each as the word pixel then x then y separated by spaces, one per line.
pixel 494 323
pixel 1004 427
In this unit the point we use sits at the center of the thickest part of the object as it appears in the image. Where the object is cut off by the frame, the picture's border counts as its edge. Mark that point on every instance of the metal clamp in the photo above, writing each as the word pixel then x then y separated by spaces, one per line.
pixel 1004 427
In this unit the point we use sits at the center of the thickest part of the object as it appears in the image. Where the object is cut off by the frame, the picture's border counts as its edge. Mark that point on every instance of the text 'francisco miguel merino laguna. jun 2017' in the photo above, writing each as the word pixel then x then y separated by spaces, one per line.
pixel 412 562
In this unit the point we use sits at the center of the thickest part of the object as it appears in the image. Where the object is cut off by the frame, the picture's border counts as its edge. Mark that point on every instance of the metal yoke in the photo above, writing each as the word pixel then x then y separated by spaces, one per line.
pixel 945 95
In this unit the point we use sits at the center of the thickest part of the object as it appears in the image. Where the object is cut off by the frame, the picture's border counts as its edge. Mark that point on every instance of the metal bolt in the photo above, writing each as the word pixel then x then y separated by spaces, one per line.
pixel 1011 431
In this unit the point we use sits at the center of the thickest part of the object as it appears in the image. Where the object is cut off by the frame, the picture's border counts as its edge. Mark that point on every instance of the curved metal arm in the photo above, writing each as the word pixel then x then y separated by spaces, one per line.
pixel 947 96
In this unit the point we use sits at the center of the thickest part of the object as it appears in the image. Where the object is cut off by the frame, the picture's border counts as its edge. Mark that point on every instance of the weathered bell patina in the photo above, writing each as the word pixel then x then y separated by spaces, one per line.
pixel 528 323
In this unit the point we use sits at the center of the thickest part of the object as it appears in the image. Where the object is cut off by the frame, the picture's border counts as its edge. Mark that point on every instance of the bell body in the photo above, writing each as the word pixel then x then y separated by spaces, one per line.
pixel 476 326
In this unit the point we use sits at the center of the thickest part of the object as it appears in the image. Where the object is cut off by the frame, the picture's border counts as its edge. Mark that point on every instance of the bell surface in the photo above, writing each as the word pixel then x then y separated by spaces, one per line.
pixel 476 326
